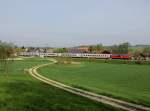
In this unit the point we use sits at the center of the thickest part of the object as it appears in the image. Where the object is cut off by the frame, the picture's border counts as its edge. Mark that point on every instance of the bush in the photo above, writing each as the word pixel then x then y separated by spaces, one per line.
pixel 138 62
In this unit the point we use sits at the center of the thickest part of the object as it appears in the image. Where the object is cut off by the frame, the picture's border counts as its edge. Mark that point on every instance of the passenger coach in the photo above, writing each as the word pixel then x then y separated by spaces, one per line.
pixel 78 55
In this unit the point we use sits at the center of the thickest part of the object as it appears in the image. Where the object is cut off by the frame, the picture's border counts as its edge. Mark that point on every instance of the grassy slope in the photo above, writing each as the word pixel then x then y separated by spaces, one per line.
pixel 20 92
pixel 130 82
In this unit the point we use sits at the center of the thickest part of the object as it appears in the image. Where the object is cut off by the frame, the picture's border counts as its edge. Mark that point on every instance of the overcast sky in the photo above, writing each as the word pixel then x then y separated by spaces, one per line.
pixel 74 22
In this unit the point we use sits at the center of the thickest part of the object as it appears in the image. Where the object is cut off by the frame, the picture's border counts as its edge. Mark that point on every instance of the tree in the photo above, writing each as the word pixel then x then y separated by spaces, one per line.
pixel 99 47
pixel 64 49
pixel 137 54
pixel 61 50
pixel 22 47
pixel 146 52
pixel 114 49
pixel 6 51
pixel 121 49
pixel 96 48
pixel 91 48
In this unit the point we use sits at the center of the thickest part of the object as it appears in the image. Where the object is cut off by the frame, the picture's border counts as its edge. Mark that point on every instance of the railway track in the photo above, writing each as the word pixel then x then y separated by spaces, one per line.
pixel 93 96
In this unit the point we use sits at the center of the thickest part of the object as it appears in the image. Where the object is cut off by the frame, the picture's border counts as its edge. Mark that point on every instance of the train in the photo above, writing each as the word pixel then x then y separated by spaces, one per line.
pixel 77 55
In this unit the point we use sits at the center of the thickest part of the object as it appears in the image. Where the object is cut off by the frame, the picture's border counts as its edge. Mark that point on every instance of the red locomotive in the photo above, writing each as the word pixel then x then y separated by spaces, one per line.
pixel 120 56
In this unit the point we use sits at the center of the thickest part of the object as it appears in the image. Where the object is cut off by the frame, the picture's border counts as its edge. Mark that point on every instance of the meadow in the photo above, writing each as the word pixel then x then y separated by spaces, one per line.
pixel 130 82
pixel 21 92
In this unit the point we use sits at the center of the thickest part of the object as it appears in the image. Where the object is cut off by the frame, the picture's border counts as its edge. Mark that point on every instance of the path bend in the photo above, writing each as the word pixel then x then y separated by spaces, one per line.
pixel 93 96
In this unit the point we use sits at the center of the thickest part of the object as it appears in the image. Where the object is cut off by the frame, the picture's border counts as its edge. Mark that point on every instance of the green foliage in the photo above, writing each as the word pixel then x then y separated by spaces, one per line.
pixel 120 49
pixel 6 50
pixel 146 52
pixel 96 48
pixel 141 53
pixel 61 50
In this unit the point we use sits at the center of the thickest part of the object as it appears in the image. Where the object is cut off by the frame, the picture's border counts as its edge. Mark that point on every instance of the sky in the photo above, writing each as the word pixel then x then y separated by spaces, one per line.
pixel 65 23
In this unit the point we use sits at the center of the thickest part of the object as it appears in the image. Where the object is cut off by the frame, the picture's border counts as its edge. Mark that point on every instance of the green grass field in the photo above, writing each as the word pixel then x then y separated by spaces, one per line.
pixel 20 92
pixel 129 82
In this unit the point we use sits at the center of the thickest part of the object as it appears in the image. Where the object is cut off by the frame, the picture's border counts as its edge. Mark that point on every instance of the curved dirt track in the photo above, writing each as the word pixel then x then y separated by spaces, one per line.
pixel 93 96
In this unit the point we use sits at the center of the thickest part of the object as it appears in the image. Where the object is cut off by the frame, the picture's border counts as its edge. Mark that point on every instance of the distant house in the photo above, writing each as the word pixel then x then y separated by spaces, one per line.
pixel 80 49
pixel 84 48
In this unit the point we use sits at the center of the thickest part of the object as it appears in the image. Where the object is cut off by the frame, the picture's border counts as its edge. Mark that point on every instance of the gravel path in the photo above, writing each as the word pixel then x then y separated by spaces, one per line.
pixel 93 96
